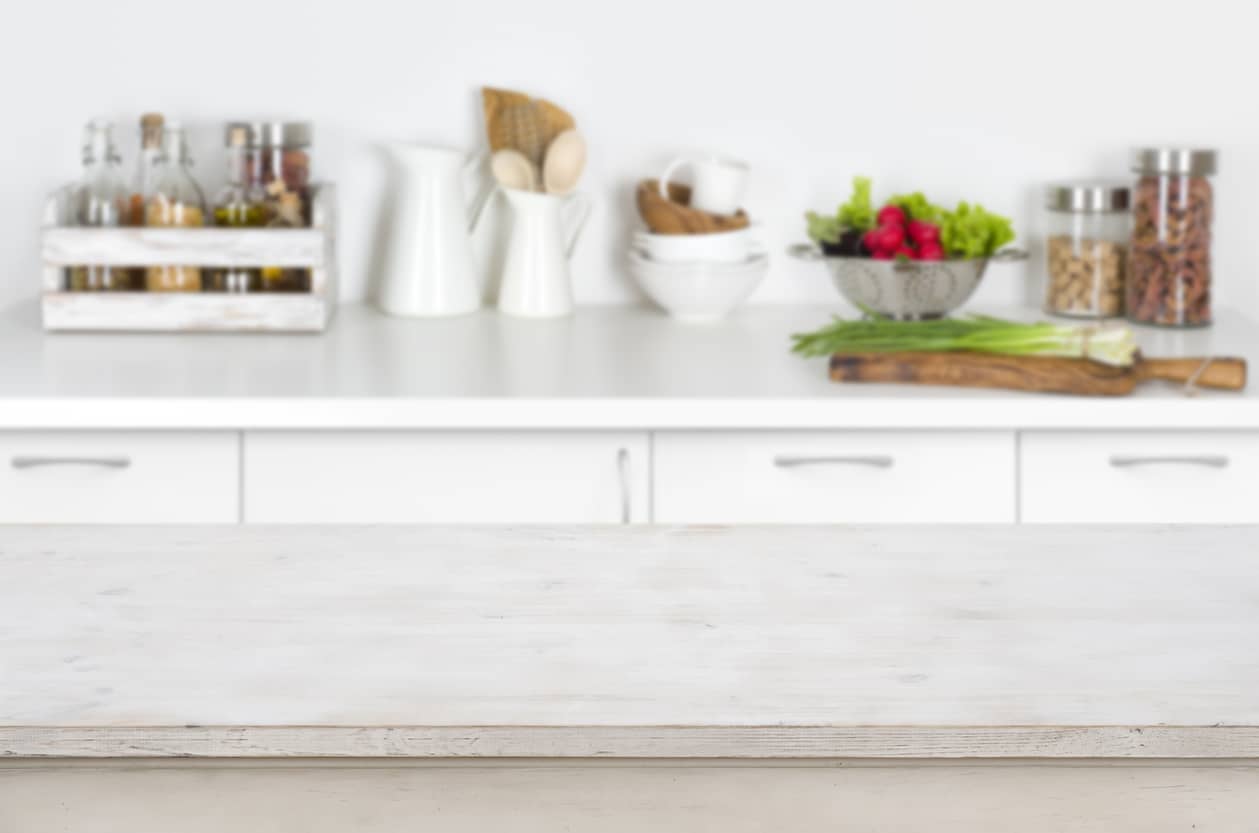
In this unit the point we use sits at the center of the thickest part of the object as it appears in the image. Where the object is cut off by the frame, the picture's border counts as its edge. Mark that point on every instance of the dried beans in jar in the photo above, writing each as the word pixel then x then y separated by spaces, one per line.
pixel 1169 261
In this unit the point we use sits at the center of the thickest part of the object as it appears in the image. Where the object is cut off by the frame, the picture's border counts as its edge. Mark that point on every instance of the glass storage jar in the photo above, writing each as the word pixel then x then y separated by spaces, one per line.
pixel 1169 263
pixel 284 174
pixel 1086 250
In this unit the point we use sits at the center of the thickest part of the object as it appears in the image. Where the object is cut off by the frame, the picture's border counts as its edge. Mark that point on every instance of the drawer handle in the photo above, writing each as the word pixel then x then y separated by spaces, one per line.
pixel 623 470
pixel 874 461
pixel 41 462
pixel 1214 461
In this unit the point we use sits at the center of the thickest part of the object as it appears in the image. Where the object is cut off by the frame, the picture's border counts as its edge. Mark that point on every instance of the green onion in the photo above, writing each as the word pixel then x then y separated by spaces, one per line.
pixel 977 333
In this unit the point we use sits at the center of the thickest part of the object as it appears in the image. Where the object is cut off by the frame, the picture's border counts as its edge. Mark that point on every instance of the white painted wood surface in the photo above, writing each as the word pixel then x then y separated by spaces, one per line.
pixel 835 477
pixel 208 247
pixel 618 798
pixel 314 248
pixel 447 477
pixel 605 368
pixel 817 635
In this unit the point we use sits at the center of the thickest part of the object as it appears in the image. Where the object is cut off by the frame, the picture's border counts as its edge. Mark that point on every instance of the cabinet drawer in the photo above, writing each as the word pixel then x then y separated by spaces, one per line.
pixel 1155 477
pixel 445 477
pixel 119 477
pixel 835 477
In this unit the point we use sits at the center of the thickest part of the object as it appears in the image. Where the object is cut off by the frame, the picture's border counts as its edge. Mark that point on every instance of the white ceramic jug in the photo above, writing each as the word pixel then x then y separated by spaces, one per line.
pixel 536 281
pixel 428 268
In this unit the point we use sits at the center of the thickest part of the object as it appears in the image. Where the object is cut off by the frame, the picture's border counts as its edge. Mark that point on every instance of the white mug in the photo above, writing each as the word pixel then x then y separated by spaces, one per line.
pixel 718 184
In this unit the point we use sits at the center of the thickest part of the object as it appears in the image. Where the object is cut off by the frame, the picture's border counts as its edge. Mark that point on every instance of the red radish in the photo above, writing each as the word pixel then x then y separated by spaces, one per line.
pixel 922 232
pixel 881 254
pixel 893 237
pixel 931 251
pixel 892 215
pixel 873 240
pixel 906 252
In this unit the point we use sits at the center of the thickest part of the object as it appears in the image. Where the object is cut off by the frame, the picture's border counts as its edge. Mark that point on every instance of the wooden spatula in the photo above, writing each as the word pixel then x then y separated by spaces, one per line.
pixel 1034 373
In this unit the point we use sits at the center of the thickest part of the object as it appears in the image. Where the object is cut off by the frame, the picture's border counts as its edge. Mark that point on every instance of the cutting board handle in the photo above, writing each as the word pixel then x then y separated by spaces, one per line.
pixel 1221 373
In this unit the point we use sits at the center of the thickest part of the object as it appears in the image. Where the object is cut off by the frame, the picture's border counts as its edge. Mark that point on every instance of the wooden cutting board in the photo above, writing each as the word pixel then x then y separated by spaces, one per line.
pixel 1035 373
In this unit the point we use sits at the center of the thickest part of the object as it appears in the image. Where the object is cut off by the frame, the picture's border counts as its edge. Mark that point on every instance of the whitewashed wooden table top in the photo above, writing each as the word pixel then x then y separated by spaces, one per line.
pixel 309 640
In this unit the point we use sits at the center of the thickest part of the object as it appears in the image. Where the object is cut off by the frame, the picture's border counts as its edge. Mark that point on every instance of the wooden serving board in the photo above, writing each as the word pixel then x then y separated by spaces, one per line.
pixel 1035 373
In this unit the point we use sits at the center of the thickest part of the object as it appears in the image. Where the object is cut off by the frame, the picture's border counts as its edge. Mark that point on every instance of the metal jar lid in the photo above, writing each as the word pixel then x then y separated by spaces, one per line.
pixel 1177 161
pixel 283 134
pixel 1088 197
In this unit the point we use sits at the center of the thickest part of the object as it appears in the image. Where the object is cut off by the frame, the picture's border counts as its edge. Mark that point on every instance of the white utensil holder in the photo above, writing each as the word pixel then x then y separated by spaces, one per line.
pixel 64 245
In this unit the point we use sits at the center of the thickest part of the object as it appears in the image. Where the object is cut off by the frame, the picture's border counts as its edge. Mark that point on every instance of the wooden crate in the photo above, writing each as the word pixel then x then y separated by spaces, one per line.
pixel 65 245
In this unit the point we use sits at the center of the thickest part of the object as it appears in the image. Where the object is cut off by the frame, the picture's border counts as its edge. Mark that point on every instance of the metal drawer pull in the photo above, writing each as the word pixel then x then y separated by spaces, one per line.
pixel 623 469
pixel 40 462
pixel 875 461
pixel 1214 461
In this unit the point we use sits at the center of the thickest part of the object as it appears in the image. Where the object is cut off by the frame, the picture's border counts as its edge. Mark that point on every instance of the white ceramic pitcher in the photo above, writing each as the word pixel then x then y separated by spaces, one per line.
pixel 428 267
pixel 545 229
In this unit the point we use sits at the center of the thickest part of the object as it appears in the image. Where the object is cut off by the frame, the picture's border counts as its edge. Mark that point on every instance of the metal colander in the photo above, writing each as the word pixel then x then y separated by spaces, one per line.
pixel 906 290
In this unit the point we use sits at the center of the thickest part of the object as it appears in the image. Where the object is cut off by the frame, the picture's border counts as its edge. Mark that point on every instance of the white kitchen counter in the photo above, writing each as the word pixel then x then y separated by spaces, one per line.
pixel 605 368
pixel 602 642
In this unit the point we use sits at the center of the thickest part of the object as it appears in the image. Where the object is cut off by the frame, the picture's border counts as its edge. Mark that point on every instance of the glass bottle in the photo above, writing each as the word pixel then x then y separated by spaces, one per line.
pixel 239 205
pixel 100 202
pixel 285 176
pixel 177 202
pixel 142 186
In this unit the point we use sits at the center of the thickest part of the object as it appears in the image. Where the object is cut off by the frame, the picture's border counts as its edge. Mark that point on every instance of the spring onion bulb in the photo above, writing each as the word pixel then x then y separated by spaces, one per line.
pixel 1113 345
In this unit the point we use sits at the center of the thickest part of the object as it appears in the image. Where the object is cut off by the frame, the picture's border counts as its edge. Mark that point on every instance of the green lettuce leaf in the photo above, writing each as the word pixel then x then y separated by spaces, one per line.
pixel 858 213
pixel 971 231
pixel 917 207
pixel 823 229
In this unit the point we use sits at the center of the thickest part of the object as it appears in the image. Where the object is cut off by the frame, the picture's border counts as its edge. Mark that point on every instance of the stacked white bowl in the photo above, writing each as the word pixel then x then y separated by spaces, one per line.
pixel 699 277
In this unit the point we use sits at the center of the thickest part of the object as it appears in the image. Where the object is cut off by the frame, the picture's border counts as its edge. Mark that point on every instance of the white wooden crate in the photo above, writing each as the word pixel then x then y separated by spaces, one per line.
pixel 64 245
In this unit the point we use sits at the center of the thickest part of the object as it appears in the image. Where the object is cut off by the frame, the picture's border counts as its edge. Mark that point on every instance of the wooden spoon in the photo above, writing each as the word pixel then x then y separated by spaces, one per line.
pixel 512 169
pixel 565 161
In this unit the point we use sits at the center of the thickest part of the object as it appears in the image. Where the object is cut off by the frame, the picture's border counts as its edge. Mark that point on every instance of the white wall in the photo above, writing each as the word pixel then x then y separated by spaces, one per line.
pixel 965 99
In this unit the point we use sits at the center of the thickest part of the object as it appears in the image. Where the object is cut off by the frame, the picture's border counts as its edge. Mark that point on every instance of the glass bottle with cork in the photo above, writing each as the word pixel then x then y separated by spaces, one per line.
pixel 241 204
pixel 100 201
pixel 177 202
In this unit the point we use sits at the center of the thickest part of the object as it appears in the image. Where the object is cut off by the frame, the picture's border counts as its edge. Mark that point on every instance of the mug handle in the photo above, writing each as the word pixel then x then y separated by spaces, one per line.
pixel 680 162
pixel 485 187
pixel 578 205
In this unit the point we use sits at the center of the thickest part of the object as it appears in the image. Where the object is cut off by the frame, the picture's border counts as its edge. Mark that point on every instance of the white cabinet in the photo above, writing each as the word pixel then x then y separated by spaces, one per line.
pixel 835 477
pixel 1140 477
pixel 119 477
pixel 446 477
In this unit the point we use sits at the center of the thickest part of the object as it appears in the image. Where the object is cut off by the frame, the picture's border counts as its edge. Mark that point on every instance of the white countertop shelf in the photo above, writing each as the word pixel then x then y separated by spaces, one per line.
pixel 815 642
pixel 609 367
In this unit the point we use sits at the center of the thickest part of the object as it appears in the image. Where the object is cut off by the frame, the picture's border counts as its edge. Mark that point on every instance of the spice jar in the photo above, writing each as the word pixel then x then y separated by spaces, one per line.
pixel 1169 264
pixel 177 202
pixel 239 204
pixel 1087 248
pixel 284 174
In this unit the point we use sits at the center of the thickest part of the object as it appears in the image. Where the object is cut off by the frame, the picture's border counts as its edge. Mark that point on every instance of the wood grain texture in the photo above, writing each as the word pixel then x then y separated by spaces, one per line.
pixel 184 312
pixel 636 742
pixel 1045 374
pixel 528 797
pixel 629 629
pixel 675 216
pixel 207 247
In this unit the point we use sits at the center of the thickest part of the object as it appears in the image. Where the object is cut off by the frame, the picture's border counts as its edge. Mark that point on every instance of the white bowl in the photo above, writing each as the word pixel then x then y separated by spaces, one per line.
pixel 717 247
pixel 698 292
